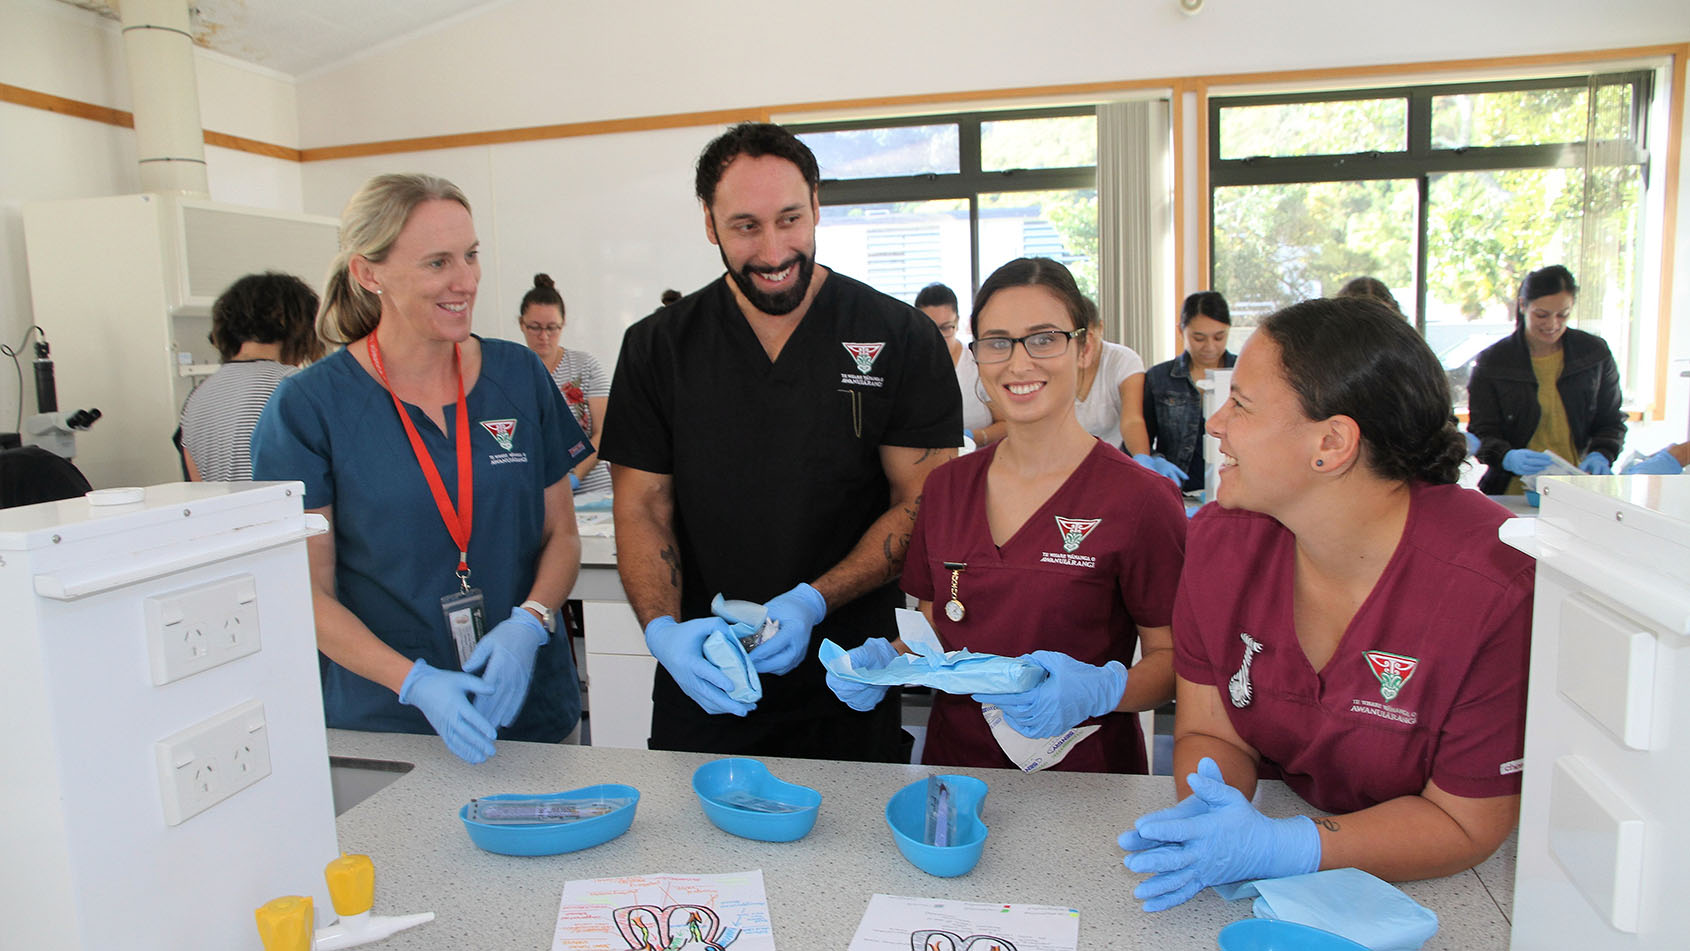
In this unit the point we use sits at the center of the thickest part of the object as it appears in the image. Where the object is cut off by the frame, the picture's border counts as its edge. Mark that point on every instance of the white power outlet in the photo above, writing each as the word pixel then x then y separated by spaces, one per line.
pixel 212 760
pixel 198 628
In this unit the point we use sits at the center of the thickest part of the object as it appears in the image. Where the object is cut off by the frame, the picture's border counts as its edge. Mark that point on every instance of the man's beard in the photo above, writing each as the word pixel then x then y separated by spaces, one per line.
pixel 775 305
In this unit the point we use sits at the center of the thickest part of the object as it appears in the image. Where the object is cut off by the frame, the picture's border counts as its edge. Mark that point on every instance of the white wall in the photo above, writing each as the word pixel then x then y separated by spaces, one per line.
pixel 611 217
pixel 53 48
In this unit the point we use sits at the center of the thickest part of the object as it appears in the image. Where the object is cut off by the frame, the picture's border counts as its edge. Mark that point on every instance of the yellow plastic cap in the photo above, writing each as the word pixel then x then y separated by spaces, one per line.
pixel 352 884
pixel 286 923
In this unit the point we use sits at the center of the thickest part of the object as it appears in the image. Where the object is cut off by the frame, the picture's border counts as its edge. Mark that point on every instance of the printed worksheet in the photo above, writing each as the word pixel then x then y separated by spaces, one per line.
pixel 893 923
pixel 664 912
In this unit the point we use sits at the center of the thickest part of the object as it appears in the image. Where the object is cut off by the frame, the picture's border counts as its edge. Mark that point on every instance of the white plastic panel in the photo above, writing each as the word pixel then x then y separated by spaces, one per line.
pixel 1597 838
pixel 1606 666
pixel 210 761
pixel 198 628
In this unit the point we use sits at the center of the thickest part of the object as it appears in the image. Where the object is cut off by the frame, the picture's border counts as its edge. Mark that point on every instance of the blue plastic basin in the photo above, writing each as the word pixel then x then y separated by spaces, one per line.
pixel 552 838
pixel 1265 934
pixel 726 779
pixel 906 813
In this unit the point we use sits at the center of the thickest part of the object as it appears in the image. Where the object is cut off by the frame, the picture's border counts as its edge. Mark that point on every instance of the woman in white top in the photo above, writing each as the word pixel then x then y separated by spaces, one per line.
pixel 578 375
pixel 264 326
pixel 1110 401
pixel 979 424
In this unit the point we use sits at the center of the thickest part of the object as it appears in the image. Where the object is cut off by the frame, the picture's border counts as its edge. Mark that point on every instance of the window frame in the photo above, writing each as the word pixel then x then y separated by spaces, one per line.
pixel 1419 161
pixel 968 183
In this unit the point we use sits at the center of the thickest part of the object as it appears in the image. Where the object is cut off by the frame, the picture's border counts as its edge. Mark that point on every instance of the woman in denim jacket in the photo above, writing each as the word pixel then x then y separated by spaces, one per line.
pixel 1519 419
pixel 1173 409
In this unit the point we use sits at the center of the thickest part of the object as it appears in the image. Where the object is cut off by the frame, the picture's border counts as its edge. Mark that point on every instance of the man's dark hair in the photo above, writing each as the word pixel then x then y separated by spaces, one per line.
pixel 755 139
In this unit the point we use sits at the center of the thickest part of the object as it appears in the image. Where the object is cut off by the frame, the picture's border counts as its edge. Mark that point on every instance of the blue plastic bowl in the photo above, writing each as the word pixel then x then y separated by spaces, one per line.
pixel 552 838
pixel 906 813
pixel 724 779
pixel 1265 934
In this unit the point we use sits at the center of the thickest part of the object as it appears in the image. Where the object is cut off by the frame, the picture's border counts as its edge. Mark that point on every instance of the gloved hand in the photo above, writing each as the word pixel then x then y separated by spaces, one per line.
pixel 508 654
pixel 679 647
pixel 798 611
pixel 1661 463
pixel 1229 842
pixel 1073 692
pixel 1132 841
pixel 1525 461
pixel 574 482
pixel 874 653
pixel 443 697
pixel 1161 466
pixel 1596 464
pixel 1472 442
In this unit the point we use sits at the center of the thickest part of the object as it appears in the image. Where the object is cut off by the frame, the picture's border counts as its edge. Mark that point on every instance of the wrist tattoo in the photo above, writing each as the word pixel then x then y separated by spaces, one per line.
pixel 1330 825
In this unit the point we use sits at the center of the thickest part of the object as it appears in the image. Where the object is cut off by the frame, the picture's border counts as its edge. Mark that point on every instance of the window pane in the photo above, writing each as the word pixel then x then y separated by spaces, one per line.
pixel 1279 244
pixel 1518 117
pixel 1487 230
pixel 1315 128
pixel 899 247
pixel 1054 224
pixel 1055 142
pixel 885 153
pixel 1613 111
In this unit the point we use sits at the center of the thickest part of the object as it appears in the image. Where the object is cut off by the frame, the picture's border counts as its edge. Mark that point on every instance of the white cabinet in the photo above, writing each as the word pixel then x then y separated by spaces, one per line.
pixel 1603 826
pixel 618 669
pixel 123 288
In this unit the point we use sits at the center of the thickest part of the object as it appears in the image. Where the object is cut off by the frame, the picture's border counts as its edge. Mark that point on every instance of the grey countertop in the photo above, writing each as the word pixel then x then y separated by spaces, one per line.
pixel 1052 842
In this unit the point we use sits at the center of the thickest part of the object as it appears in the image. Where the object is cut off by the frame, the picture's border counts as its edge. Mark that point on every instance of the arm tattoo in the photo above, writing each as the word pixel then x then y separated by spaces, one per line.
pixel 673 560
pixel 926 454
pixel 1330 825
pixel 895 558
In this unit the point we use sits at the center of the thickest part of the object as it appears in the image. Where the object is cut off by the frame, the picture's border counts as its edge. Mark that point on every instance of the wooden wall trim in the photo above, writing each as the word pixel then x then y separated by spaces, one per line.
pixel 17 95
pixel 563 130
pixel 1669 226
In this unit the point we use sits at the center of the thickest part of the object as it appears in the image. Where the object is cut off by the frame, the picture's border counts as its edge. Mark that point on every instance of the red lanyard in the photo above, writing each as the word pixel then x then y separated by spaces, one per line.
pixel 457 521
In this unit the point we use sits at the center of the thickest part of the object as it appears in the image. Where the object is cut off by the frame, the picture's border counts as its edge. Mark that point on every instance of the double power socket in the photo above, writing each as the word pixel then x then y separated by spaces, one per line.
pixel 190 631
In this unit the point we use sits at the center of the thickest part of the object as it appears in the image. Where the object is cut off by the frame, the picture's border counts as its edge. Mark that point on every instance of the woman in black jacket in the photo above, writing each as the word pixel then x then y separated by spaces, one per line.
pixel 1517 420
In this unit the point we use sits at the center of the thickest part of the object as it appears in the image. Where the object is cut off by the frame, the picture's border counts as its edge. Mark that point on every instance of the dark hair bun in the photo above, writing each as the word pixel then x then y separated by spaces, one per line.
pixel 543 280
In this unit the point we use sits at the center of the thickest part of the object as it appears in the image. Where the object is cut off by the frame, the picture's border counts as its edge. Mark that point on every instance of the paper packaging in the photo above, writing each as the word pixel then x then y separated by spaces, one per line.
pixel 1344 901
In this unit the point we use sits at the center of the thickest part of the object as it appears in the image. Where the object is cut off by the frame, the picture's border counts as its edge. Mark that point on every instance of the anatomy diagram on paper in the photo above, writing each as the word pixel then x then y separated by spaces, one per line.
pixel 662 912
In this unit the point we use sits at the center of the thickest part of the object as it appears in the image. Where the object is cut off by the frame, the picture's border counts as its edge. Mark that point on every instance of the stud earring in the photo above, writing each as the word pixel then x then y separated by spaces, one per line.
pixel 1318 462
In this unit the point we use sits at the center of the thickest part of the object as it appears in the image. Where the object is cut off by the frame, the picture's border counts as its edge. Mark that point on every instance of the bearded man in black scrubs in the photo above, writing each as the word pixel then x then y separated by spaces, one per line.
pixel 768 438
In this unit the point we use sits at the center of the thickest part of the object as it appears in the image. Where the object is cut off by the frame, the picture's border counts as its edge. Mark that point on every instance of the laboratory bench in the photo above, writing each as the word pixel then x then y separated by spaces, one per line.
pixel 1052 842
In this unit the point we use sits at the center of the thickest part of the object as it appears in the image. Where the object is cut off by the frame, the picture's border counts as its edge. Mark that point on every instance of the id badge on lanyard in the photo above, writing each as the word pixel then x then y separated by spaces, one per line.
pixel 465 611
pixel 466 618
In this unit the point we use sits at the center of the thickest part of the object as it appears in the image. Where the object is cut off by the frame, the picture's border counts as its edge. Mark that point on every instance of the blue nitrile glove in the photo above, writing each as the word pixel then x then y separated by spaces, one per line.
pixel 1074 692
pixel 1472 443
pixel 1230 842
pixel 872 654
pixel 1161 467
pixel 443 697
pixel 1661 463
pixel 679 647
pixel 1596 464
pixel 1525 461
pixel 508 654
pixel 1132 841
pixel 798 611
pixel 574 482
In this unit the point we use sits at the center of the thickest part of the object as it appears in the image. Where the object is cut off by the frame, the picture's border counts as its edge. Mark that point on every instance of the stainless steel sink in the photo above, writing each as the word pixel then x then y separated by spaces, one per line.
pixel 355 780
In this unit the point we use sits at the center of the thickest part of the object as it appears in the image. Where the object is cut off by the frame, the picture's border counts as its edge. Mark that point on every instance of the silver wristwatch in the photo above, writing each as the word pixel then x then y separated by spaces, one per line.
pixel 545 613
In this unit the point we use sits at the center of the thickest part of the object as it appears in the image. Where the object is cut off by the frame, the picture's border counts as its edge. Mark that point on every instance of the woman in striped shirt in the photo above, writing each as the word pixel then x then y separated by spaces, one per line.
pixel 577 374
pixel 264 326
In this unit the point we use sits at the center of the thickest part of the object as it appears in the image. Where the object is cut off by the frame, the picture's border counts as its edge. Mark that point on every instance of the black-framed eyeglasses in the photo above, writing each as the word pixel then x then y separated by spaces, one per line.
pixel 543 328
pixel 1039 346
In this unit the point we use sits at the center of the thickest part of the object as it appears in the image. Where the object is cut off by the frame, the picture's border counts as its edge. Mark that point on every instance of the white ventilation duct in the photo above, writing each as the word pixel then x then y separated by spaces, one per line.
pixel 159 47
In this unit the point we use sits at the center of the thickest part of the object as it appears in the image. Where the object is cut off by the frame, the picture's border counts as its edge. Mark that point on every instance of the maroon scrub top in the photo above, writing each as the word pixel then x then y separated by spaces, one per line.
pixel 1428 682
pixel 1101 557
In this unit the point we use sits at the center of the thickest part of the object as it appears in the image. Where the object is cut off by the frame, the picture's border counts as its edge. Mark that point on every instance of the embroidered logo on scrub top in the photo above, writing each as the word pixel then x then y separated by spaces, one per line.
pixel 1393 671
pixel 502 431
pixel 863 355
pixel 1073 531
pixel 1239 686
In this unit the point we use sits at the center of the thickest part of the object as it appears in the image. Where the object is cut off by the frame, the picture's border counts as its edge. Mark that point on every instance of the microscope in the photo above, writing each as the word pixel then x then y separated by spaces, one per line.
pixel 49 428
